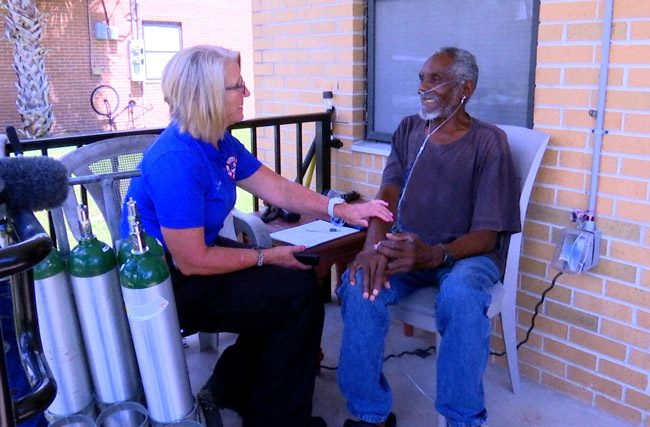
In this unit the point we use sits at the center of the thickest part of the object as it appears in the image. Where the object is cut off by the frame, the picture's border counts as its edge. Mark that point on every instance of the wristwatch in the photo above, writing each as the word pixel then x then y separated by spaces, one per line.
pixel 260 257
pixel 448 258
pixel 330 205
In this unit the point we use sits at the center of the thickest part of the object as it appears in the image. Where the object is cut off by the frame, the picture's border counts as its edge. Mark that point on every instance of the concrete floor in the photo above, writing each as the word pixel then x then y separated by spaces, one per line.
pixel 413 381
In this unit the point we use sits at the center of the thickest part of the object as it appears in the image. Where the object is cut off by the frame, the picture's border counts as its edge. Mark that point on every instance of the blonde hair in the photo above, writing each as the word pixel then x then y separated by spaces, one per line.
pixel 194 87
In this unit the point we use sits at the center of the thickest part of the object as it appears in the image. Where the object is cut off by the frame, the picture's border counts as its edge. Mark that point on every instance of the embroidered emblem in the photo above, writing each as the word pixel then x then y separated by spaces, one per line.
pixel 231 167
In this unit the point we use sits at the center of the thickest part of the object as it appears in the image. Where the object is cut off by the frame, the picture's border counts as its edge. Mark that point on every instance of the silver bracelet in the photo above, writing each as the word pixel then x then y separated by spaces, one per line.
pixel 260 257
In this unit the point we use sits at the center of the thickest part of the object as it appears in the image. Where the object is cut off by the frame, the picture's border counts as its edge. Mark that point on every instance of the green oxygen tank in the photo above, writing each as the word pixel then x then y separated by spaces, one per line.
pixel 92 266
pixel 151 310
pixel 155 247
pixel 61 336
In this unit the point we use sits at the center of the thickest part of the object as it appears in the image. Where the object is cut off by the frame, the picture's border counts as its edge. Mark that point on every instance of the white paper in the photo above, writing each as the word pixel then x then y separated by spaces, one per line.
pixel 312 234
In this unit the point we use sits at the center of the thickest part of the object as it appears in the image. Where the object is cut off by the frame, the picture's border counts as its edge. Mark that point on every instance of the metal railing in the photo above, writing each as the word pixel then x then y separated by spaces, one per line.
pixel 320 147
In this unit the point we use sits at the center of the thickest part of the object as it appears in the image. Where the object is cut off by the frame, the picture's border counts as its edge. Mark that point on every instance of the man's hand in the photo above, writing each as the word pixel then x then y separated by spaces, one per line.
pixel 407 252
pixel 373 266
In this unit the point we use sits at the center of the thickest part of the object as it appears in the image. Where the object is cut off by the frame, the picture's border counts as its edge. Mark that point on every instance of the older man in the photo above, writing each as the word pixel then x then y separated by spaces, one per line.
pixel 452 185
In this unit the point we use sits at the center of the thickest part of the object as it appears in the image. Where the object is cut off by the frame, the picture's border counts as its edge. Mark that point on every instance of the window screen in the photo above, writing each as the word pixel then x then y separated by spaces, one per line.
pixel 402 34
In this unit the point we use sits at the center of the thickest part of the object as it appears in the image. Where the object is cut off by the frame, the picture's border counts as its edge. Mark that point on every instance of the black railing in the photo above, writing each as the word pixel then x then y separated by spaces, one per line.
pixel 320 148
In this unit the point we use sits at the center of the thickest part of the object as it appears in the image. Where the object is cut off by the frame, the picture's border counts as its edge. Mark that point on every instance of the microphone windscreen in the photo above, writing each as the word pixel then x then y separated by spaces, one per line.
pixel 33 183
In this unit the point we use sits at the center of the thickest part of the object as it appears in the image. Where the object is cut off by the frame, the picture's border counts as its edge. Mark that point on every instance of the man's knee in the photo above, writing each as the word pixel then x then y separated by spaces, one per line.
pixel 465 288
pixel 356 306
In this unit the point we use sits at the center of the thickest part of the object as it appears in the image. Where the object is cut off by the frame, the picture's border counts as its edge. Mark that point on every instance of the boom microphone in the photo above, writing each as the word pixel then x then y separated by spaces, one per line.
pixel 33 183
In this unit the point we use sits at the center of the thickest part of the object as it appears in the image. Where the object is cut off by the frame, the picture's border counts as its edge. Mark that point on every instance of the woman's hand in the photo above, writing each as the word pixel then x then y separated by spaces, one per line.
pixel 283 256
pixel 360 213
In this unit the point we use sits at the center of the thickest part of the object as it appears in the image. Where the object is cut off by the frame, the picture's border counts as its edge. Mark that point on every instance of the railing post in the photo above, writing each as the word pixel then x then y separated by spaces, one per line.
pixel 323 153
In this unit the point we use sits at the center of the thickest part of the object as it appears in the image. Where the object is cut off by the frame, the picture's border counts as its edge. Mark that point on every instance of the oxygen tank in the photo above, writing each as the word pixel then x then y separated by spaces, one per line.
pixel 151 310
pixel 95 283
pixel 155 247
pixel 61 338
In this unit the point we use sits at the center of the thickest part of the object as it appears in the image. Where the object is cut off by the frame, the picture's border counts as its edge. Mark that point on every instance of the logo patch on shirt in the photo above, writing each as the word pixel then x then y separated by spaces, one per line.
pixel 231 167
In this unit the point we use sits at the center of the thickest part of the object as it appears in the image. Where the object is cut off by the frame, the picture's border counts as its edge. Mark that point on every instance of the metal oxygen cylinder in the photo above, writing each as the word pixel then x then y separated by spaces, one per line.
pixel 155 247
pixel 95 283
pixel 151 310
pixel 61 338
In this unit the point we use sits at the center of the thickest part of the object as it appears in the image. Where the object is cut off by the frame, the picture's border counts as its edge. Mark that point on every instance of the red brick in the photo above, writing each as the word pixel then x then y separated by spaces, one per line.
pixel 597 343
pixel 625 333
pixel 623 373
pixel 595 382
pixel 618 409
pixel 570 353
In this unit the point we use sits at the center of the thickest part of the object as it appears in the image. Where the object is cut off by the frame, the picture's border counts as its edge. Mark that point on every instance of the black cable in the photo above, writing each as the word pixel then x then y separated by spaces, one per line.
pixel 420 352
pixel 532 321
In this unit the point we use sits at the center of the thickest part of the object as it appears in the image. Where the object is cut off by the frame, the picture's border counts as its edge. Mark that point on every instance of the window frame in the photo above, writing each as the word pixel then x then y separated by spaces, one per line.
pixel 379 136
pixel 177 25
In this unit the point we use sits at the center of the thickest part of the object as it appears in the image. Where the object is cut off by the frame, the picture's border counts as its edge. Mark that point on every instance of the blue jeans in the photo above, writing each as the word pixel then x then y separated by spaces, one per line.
pixel 461 308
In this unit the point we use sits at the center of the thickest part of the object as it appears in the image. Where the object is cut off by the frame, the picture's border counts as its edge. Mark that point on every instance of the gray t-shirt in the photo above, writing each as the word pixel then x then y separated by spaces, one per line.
pixel 455 188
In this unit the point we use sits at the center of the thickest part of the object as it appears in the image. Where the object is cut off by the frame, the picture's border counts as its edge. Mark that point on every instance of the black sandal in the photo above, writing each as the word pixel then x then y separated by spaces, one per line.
pixel 391 421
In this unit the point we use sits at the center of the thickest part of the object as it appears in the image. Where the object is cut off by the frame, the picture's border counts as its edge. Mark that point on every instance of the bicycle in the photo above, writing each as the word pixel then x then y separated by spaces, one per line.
pixel 105 100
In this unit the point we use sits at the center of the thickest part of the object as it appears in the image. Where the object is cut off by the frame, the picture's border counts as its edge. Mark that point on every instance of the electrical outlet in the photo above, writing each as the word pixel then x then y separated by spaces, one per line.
pixel 577 251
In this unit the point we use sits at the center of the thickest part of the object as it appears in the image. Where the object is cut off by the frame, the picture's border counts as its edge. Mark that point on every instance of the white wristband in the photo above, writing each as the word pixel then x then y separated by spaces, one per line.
pixel 333 202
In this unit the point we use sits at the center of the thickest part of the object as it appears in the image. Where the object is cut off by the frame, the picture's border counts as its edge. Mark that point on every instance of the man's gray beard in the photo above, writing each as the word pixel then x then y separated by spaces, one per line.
pixel 429 115
pixel 440 112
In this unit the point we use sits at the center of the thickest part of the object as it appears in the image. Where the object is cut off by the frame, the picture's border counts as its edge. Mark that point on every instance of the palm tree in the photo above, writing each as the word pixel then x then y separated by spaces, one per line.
pixel 25 24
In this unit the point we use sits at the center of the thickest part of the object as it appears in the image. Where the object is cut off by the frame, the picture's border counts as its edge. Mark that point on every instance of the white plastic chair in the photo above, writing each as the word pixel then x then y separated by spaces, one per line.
pixel 105 168
pixel 527 148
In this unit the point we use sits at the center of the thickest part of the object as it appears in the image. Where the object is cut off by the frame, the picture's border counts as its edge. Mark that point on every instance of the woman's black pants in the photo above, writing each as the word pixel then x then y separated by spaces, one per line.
pixel 268 374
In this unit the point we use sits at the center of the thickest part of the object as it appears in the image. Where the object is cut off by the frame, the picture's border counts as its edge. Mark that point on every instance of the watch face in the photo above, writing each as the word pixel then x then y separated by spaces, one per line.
pixel 449 260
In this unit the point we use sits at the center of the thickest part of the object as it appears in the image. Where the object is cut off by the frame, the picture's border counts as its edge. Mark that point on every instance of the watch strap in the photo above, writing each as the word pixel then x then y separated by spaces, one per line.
pixel 448 258
pixel 331 203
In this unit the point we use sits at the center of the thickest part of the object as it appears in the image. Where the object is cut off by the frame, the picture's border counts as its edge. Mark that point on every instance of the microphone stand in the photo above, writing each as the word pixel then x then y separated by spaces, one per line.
pixel 25 245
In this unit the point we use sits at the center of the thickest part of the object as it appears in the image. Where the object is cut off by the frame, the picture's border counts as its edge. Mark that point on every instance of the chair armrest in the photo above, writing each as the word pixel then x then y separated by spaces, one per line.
pixel 253 227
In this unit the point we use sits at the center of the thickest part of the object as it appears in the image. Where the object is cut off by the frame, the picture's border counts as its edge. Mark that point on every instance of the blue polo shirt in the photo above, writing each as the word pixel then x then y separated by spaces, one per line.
pixel 188 183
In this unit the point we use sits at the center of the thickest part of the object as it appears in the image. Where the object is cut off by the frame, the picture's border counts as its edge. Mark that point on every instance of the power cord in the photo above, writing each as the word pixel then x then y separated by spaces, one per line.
pixel 426 352
pixel 532 321
pixel 420 352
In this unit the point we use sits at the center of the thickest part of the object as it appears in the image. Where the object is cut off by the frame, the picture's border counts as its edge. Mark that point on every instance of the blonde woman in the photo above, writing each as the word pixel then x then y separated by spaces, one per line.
pixel 187 188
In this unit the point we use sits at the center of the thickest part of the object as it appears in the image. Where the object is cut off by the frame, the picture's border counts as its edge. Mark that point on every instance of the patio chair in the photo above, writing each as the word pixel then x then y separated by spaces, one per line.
pixel 105 168
pixel 527 148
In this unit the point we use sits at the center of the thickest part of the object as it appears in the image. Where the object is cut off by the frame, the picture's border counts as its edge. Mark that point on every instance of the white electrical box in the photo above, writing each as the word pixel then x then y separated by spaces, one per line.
pixel 104 31
pixel 136 60
pixel 577 251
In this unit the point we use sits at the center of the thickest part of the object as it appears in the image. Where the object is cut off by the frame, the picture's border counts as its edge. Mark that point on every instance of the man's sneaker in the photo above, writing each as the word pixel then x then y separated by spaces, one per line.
pixel 209 408
pixel 391 421
pixel 317 422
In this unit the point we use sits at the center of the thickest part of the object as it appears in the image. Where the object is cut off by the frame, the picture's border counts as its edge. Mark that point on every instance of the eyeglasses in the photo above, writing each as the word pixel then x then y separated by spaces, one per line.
pixel 240 86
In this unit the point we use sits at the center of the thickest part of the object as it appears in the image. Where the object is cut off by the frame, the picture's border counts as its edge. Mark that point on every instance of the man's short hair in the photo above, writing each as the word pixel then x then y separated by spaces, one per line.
pixel 463 67
pixel 194 87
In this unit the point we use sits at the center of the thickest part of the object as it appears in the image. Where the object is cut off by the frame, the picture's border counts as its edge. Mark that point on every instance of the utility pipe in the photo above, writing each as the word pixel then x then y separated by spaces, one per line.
pixel 600 109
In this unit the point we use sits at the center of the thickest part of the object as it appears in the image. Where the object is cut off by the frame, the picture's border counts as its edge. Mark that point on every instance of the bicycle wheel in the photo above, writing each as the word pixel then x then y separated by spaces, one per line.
pixel 104 100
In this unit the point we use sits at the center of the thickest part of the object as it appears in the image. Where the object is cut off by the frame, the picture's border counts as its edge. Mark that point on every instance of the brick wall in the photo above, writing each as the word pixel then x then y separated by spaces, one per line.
pixel 592 337
pixel 301 49
pixel 73 52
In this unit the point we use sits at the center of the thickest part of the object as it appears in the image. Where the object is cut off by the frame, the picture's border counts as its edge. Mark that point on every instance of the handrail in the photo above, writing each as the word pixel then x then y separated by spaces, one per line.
pixel 320 146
